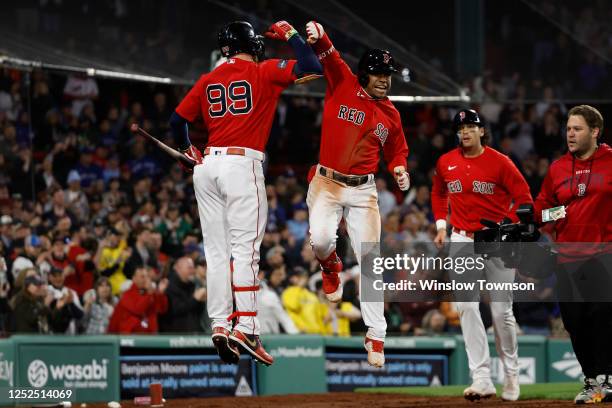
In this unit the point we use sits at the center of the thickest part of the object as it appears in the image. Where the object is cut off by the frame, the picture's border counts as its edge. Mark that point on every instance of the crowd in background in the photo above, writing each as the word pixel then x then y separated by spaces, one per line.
pixel 99 230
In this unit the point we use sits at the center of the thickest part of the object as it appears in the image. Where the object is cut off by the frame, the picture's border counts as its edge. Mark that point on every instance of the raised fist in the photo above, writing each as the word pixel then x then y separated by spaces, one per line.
pixel 281 30
pixel 314 31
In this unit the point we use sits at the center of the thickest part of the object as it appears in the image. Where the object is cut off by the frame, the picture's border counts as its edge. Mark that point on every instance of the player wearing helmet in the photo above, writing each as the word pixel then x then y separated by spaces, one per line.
pixel 478 182
pixel 358 122
pixel 237 102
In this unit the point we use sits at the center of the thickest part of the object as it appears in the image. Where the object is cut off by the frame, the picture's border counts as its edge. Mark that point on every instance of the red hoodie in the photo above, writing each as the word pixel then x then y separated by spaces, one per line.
pixel 137 312
pixel 585 188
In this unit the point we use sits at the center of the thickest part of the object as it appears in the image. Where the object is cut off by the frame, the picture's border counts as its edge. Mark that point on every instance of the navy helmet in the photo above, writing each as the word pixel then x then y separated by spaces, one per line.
pixel 239 37
pixel 375 62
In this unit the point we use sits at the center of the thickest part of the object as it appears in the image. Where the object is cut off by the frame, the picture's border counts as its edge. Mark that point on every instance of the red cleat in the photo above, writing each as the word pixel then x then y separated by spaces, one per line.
pixel 376 353
pixel 252 344
pixel 331 280
pixel 227 352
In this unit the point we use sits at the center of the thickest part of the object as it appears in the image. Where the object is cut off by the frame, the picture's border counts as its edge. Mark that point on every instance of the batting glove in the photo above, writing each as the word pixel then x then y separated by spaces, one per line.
pixel 403 180
pixel 315 32
pixel 192 155
pixel 281 30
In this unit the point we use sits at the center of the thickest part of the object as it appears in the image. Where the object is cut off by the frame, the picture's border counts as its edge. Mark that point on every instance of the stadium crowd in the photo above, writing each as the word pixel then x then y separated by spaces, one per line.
pixel 99 229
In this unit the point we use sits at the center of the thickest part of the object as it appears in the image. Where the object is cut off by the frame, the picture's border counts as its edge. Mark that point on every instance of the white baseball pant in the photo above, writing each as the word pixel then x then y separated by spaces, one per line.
pixel 233 208
pixel 328 201
pixel 504 323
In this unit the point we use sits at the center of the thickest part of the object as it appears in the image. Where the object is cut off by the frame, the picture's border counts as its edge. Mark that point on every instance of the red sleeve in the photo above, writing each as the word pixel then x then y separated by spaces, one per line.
pixel 334 67
pixel 395 150
pixel 136 304
pixel 279 73
pixel 546 198
pixel 161 303
pixel 190 107
pixel 514 183
pixel 439 195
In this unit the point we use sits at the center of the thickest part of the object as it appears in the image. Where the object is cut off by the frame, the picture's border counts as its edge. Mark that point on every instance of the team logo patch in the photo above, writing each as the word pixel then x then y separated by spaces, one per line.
pixel 282 64
pixel 386 58
pixel 581 189
pixel 462 115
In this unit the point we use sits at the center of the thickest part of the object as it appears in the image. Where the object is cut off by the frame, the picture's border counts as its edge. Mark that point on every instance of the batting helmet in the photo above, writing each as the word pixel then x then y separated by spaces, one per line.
pixel 375 62
pixel 466 116
pixel 239 36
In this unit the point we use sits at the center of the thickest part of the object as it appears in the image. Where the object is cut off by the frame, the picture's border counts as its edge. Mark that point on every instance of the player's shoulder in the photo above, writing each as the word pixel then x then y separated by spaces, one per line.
pixel 561 162
pixel 497 156
pixel 450 155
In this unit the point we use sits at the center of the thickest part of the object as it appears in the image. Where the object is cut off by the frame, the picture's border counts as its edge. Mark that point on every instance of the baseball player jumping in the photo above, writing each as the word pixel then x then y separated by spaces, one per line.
pixel 237 102
pixel 358 120
pixel 479 182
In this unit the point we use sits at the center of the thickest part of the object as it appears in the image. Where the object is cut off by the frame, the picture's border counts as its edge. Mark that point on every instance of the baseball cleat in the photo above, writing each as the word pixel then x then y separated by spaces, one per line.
pixel 252 344
pixel 605 389
pixel 511 390
pixel 331 280
pixel 227 352
pixel 376 353
pixel 480 389
pixel 590 393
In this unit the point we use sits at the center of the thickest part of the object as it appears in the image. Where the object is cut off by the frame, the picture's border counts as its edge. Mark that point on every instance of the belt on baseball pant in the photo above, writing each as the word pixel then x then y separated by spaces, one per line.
pixel 463 232
pixel 235 151
pixel 352 181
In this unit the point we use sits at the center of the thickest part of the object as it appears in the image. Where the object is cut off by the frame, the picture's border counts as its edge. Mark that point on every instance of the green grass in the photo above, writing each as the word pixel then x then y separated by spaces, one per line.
pixel 559 391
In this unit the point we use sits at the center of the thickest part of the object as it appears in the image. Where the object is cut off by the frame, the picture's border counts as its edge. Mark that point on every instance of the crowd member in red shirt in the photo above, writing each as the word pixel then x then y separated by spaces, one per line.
pixel 479 182
pixel 581 182
pixel 358 121
pixel 140 305
pixel 237 103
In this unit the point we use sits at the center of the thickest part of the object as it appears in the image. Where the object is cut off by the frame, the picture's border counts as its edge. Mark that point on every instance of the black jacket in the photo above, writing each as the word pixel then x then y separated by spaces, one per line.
pixel 184 311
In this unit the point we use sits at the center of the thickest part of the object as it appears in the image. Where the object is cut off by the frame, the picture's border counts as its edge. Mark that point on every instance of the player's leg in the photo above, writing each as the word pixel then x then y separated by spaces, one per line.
pixel 363 225
pixel 504 325
pixel 219 302
pixel 242 181
pixel 472 327
pixel 325 213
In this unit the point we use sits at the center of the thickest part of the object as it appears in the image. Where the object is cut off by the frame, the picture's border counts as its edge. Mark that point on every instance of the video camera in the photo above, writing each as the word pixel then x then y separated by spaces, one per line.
pixel 507 241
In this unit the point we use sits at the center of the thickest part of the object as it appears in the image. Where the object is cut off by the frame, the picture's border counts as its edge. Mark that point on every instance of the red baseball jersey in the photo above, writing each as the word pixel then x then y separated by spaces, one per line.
pixel 584 187
pixel 237 101
pixel 487 186
pixel 355 126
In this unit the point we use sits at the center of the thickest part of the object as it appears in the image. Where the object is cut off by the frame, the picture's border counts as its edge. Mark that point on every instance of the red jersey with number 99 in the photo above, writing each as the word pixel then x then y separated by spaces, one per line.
pixel 237 101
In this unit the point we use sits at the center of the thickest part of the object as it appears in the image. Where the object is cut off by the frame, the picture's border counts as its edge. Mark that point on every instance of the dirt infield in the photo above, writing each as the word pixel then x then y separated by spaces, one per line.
pixel 338 400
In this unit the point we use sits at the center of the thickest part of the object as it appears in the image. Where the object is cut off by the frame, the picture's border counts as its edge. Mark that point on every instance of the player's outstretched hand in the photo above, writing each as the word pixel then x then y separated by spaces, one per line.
pixel 281 30
pixel 402 178
pixel 440 238
pixel 314 31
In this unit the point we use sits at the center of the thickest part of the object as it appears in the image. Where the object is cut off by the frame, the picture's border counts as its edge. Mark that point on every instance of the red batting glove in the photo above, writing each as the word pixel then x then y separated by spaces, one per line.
pixel 193 155
pixel 281 30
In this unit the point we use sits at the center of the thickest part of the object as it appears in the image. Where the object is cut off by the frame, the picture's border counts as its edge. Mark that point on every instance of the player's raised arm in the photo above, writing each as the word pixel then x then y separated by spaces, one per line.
pixel 308 66
pixel 334 67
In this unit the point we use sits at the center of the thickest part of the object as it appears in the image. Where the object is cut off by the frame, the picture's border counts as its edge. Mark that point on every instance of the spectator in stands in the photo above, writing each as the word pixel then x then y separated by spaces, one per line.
pixel 75 199
pixel 68 309
pixel 173 228
pixel 386 199
pixel 31 307
pixel 302 305
pixel 140 305
pixel 185 302
pixel 434 323
pixel 271 313
pixel 111 256
pixel 27 258
pixel 82 90
pixel 99 306
pixel 298 225
pixel 141 252
pixel 337 316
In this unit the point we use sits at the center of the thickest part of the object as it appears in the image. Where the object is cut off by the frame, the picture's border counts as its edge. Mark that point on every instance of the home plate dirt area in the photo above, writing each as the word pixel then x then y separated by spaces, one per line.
pixel 348 399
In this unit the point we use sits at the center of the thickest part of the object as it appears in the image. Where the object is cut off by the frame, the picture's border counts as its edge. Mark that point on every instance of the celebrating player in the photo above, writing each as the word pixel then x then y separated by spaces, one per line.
pixel 237 102
pixel 358 119
pixel 581 182
pixel 479 182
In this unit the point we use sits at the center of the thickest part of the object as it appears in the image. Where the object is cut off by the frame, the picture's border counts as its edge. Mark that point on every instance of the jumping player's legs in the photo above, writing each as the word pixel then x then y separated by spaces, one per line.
pixel 325 212
pixel 243 184
pixel 363 224
pixel 211 208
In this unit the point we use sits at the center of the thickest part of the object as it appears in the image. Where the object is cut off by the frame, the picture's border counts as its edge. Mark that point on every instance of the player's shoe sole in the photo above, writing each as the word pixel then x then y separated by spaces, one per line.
pixel 252 345
pixel 226 351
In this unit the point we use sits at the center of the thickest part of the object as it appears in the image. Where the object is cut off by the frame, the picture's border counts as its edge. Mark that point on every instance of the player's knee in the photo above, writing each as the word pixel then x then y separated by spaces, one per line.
pixel 322 243
pixel 501 311
pixel 467 307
